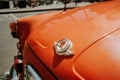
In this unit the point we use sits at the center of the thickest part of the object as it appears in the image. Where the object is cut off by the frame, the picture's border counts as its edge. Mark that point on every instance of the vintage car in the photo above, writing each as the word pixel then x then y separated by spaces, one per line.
pixel 77 44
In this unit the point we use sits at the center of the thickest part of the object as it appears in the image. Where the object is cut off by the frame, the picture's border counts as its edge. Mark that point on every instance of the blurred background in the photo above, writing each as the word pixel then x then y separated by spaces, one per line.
pixel 4 4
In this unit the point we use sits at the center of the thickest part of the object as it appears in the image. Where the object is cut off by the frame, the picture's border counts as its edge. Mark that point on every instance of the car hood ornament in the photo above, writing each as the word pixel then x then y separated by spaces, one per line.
pixel 63 47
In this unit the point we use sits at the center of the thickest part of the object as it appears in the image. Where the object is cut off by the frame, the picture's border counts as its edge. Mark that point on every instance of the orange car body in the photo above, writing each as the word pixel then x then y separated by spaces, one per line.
pixel 94 31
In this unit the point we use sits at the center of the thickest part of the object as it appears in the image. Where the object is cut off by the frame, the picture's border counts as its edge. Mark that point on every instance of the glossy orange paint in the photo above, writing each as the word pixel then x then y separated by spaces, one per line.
pixel 29 24
pixel 12 27
pixel 101 61
pixel 94 31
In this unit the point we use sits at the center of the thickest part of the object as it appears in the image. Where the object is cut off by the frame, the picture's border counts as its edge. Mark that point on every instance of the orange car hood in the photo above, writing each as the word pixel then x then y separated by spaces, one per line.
pixel 84 27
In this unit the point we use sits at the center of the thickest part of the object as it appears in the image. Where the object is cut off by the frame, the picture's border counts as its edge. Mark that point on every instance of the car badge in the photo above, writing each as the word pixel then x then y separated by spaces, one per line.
pixel 63 47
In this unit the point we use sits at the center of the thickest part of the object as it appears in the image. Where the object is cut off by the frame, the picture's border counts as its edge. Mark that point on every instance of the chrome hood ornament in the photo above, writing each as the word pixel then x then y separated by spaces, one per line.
pixel 63 47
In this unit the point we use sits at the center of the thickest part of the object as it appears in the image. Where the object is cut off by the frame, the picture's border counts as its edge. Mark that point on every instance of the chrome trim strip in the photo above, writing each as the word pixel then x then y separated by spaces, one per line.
pixel 14 75
pixel 33 73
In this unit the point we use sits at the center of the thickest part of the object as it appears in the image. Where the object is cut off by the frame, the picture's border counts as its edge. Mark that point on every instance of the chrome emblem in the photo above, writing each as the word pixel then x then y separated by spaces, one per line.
pixel 63 47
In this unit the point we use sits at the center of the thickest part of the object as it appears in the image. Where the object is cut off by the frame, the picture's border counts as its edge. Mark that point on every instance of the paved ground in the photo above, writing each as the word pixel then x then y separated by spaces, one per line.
pixel 7 43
